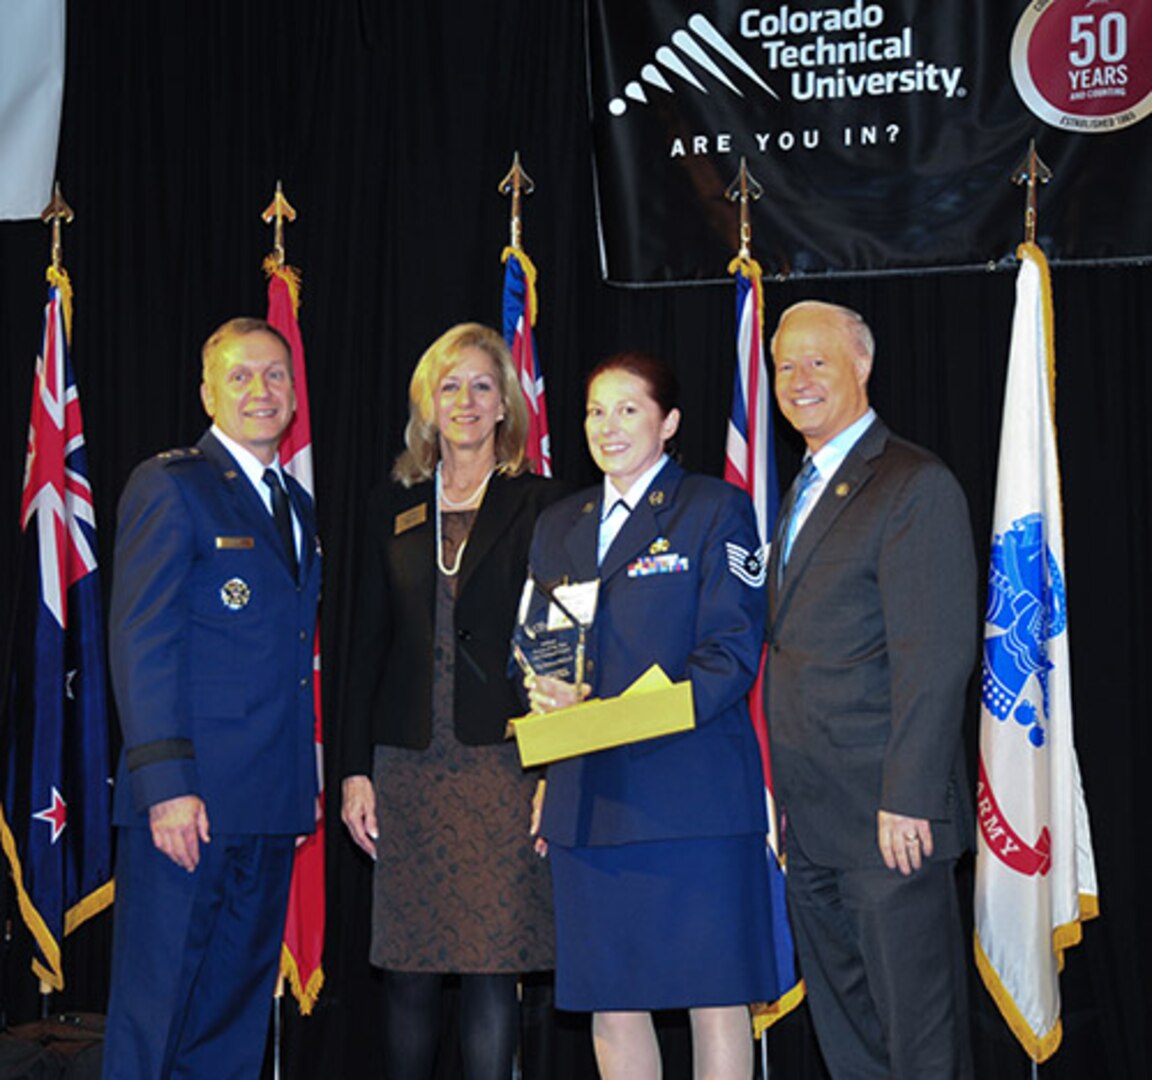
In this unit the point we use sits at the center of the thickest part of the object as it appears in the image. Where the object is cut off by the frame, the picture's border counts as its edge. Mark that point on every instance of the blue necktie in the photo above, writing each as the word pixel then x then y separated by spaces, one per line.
pixel 803 490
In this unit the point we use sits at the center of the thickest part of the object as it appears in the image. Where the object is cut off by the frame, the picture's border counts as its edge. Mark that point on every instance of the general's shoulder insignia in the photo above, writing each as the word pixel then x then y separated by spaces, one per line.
pixel 656 498
pixel 235 594
pixel 179 454
pixel 748 566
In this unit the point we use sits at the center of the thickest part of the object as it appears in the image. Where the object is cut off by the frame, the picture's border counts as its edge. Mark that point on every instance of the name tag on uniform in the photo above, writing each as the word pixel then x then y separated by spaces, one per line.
pixel 658 564
pixel 234 543
pixel 409 519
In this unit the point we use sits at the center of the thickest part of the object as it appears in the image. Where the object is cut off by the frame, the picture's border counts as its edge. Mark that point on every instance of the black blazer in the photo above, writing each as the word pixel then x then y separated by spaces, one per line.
pixel 390 680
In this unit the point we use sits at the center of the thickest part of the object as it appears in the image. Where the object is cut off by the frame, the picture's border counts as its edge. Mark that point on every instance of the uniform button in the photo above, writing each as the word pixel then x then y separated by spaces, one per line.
pixel 303 683
pixel 303 635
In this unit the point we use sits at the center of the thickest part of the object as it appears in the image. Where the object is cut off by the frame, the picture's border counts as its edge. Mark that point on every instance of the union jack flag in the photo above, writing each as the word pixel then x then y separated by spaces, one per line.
pixel 750 464
pixel 519 318
pixel 55 824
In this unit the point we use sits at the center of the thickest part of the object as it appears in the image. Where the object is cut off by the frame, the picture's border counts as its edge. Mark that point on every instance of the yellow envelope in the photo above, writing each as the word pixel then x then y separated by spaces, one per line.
pixel 652 706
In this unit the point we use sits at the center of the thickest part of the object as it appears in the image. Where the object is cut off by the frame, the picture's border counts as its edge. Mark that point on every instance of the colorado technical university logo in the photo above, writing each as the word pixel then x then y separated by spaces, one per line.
pixel 828 54
pixel 691 45
pixel 1082 65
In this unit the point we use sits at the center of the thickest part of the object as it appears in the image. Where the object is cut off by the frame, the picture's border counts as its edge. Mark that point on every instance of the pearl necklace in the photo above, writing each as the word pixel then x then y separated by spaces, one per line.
pixel 454 569
pixel 452 504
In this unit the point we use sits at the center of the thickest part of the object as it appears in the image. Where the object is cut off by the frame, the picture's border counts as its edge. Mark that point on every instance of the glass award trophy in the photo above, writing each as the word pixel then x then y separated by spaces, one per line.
pixel 552 628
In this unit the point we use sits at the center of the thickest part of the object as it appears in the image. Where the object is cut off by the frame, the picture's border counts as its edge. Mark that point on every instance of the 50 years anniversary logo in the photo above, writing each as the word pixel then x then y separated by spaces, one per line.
pixel 1085 65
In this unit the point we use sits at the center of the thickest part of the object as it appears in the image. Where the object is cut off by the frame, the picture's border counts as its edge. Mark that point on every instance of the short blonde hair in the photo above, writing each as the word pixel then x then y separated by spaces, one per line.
pixel 223 336
pixel 421 436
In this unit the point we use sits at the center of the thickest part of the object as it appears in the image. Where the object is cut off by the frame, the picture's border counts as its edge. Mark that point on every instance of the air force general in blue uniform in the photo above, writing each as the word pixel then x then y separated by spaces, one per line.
pixel 211 646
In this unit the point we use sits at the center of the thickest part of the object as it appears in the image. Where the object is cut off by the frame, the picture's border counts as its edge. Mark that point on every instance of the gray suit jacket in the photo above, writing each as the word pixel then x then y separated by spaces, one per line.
pixel 871 640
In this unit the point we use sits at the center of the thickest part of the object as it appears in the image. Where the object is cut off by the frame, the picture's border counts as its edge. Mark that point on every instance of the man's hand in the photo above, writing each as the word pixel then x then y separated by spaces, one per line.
pixel 179 827
pixel 904 841
pixel 358 812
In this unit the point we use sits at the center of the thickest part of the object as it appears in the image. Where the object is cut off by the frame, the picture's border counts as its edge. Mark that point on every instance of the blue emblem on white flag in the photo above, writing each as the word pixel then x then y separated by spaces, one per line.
pixel 1026 600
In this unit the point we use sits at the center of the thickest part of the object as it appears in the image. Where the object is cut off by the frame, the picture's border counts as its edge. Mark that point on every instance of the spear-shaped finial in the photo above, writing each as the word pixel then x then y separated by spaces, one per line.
pixel 517 182
pixel 278 210
pixel 1031 171
pixel 57 211
pixel 744 189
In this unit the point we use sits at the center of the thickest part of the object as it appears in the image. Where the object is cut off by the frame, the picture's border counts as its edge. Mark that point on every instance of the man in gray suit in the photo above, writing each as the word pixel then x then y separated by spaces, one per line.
pixel 871 637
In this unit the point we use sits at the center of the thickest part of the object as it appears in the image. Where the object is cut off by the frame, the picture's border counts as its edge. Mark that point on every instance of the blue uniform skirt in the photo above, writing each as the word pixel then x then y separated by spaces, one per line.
pixel 663 925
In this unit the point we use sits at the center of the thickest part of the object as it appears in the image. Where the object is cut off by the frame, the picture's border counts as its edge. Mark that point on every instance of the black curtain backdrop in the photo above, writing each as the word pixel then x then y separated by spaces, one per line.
pixel 390 126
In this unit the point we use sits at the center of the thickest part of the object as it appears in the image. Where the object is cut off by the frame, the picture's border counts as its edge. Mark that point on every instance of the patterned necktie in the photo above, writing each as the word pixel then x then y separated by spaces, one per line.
pixel 282 515
pixel 803 490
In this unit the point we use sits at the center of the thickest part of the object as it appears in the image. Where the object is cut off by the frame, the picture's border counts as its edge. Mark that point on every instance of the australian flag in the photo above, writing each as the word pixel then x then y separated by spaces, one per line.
pixel 56 818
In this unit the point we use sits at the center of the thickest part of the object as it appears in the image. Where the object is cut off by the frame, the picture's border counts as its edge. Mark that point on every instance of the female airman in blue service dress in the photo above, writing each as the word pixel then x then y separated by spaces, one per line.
pixel 432 790
pixel 658 848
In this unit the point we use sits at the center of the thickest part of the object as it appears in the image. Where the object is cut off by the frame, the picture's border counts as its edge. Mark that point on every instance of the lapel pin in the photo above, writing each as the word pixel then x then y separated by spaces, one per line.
pixel 656 498
pixel 588 507
pixel 842 489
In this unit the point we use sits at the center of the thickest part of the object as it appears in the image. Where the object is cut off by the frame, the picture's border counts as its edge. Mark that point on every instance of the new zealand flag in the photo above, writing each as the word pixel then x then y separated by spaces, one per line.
pixel 56 819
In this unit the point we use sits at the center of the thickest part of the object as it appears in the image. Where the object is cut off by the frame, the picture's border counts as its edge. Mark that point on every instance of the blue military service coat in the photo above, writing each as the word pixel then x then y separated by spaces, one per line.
pixel 681 586
pixel 209 625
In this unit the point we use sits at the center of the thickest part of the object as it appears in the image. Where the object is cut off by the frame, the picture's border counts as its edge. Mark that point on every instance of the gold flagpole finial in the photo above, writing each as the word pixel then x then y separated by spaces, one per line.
pixel 57 211
pixel 278 210
pixel 1031 171
pixel 517 183
pixel 745 190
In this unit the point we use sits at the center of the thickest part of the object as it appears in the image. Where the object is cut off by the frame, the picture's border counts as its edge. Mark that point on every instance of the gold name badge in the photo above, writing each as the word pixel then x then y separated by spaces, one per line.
pixel 234 543
pixel 409 519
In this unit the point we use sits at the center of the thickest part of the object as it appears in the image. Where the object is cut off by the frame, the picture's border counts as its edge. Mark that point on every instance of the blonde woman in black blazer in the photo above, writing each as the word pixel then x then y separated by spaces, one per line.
pixel 432 791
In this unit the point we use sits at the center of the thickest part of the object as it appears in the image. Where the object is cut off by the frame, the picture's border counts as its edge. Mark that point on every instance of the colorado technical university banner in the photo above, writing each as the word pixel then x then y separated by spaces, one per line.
pixel 885 134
